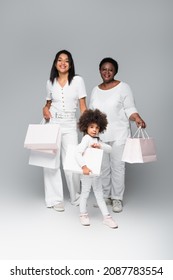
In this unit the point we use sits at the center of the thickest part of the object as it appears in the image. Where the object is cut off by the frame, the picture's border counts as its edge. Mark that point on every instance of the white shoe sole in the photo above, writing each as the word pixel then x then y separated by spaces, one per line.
pixel 113 227
pixel 117 210
pixel 60 209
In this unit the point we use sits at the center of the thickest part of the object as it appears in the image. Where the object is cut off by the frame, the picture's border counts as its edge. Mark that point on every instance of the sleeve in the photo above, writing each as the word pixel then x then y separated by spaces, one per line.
pixel 91 99
pixel 81 87
pixel 48 89
pixel 128 101
pixel 80 149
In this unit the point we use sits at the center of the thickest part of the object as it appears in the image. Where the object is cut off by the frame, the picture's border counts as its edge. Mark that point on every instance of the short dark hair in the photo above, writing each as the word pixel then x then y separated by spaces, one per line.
pixel 92 116
pixel 110 60
pixel 54 72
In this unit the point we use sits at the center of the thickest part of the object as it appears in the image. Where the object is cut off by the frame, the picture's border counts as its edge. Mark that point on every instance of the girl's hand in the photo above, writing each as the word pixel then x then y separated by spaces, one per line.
pixel 96 145
pixel 86 170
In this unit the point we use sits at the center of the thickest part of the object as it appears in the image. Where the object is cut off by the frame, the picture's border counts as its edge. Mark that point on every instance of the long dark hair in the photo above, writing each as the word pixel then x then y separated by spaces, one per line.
pixel 54 72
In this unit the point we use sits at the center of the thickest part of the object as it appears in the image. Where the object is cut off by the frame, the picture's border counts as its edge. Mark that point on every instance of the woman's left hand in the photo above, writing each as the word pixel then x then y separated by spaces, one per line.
pixel 138 120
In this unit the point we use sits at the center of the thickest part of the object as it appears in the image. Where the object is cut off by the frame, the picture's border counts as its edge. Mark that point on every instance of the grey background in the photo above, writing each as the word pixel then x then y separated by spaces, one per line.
pixel 138 34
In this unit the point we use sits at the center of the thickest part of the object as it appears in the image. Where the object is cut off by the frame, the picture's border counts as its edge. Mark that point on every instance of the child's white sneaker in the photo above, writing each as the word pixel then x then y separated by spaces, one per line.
pixel 108 221
pixel 84 219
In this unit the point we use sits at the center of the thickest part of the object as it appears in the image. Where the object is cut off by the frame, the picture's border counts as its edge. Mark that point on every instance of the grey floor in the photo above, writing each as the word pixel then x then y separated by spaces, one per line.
pixel 31 231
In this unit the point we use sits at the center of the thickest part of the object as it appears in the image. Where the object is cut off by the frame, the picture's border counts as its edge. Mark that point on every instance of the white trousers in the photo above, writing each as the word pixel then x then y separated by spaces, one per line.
pixel 113 172
pixel 52 177
pixel 87 183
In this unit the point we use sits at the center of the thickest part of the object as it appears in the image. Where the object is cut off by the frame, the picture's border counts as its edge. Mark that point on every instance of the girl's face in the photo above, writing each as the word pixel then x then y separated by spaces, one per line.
pixel 107 72
pixel 93 129
pixel 62 64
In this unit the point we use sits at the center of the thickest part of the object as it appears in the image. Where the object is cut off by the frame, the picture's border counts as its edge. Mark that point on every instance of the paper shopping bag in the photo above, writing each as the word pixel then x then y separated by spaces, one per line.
pixel 44 159
pixel 139 150
pixel 42 137
pixel 93 158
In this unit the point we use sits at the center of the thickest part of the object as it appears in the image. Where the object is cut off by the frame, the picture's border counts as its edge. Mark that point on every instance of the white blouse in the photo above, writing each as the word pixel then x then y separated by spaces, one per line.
pixel 65 99
pixel 118 104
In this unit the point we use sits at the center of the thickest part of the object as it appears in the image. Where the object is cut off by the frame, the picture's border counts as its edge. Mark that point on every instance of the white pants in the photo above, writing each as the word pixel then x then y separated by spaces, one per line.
pixel 87 183
pixel 52 177
pixel 113 172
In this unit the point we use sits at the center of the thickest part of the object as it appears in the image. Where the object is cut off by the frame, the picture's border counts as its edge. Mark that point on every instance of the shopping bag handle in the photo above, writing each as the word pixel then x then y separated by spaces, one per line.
pixel 44 121
pixel 141 131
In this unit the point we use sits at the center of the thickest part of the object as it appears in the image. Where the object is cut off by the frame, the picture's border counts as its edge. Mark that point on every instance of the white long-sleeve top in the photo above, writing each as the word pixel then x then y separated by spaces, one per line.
pixel 85 143
pixel 118 104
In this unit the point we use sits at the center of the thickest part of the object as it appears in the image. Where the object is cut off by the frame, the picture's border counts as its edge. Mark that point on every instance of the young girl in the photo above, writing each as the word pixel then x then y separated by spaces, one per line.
pixel 91 123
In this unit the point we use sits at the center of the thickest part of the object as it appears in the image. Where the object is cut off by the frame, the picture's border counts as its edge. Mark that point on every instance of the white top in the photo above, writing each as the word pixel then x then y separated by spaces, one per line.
pixel 86 142
pixel 65 99
pixel 118 104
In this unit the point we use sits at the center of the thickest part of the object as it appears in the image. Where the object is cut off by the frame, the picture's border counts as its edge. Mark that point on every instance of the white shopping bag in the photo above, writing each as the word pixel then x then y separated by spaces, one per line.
pixel 42 137
pixel 139 149
pixel 49 157
pixel 93 159
pixel 44 159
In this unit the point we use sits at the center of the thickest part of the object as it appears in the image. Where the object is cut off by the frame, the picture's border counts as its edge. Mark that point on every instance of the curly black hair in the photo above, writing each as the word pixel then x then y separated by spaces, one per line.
pixel 92 116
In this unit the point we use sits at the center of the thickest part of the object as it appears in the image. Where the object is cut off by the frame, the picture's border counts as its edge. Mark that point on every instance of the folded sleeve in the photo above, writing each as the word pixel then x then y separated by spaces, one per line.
pixel 81 87
pixel 128 101
pixel 91 99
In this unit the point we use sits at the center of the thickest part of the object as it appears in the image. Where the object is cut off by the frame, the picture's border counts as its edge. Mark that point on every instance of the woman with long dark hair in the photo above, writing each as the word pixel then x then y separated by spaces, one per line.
pixel 65 91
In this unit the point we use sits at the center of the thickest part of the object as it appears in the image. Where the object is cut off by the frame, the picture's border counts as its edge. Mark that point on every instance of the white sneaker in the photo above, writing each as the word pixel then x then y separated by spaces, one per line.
pixel 84 219
pixel 59 207
pixel 108 221
pixel 117 205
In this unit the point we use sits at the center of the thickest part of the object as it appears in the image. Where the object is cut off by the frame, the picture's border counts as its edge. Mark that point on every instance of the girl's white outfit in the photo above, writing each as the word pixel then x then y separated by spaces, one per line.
pixel 91 181
pixel 63 108
pixel 118 104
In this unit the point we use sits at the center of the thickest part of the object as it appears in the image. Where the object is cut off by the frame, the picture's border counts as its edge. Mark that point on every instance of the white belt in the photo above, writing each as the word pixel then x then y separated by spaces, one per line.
pixel 64 115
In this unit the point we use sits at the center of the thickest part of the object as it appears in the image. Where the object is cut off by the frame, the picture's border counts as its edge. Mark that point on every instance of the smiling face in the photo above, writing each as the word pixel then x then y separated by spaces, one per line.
pixel 107 72
pixel 93 129
pixel 62 64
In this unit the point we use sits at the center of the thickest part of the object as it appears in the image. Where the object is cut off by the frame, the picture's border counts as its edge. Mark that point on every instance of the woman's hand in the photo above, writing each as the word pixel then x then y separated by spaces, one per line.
pixel 46 113
pixel 86 170
pixel 138 120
